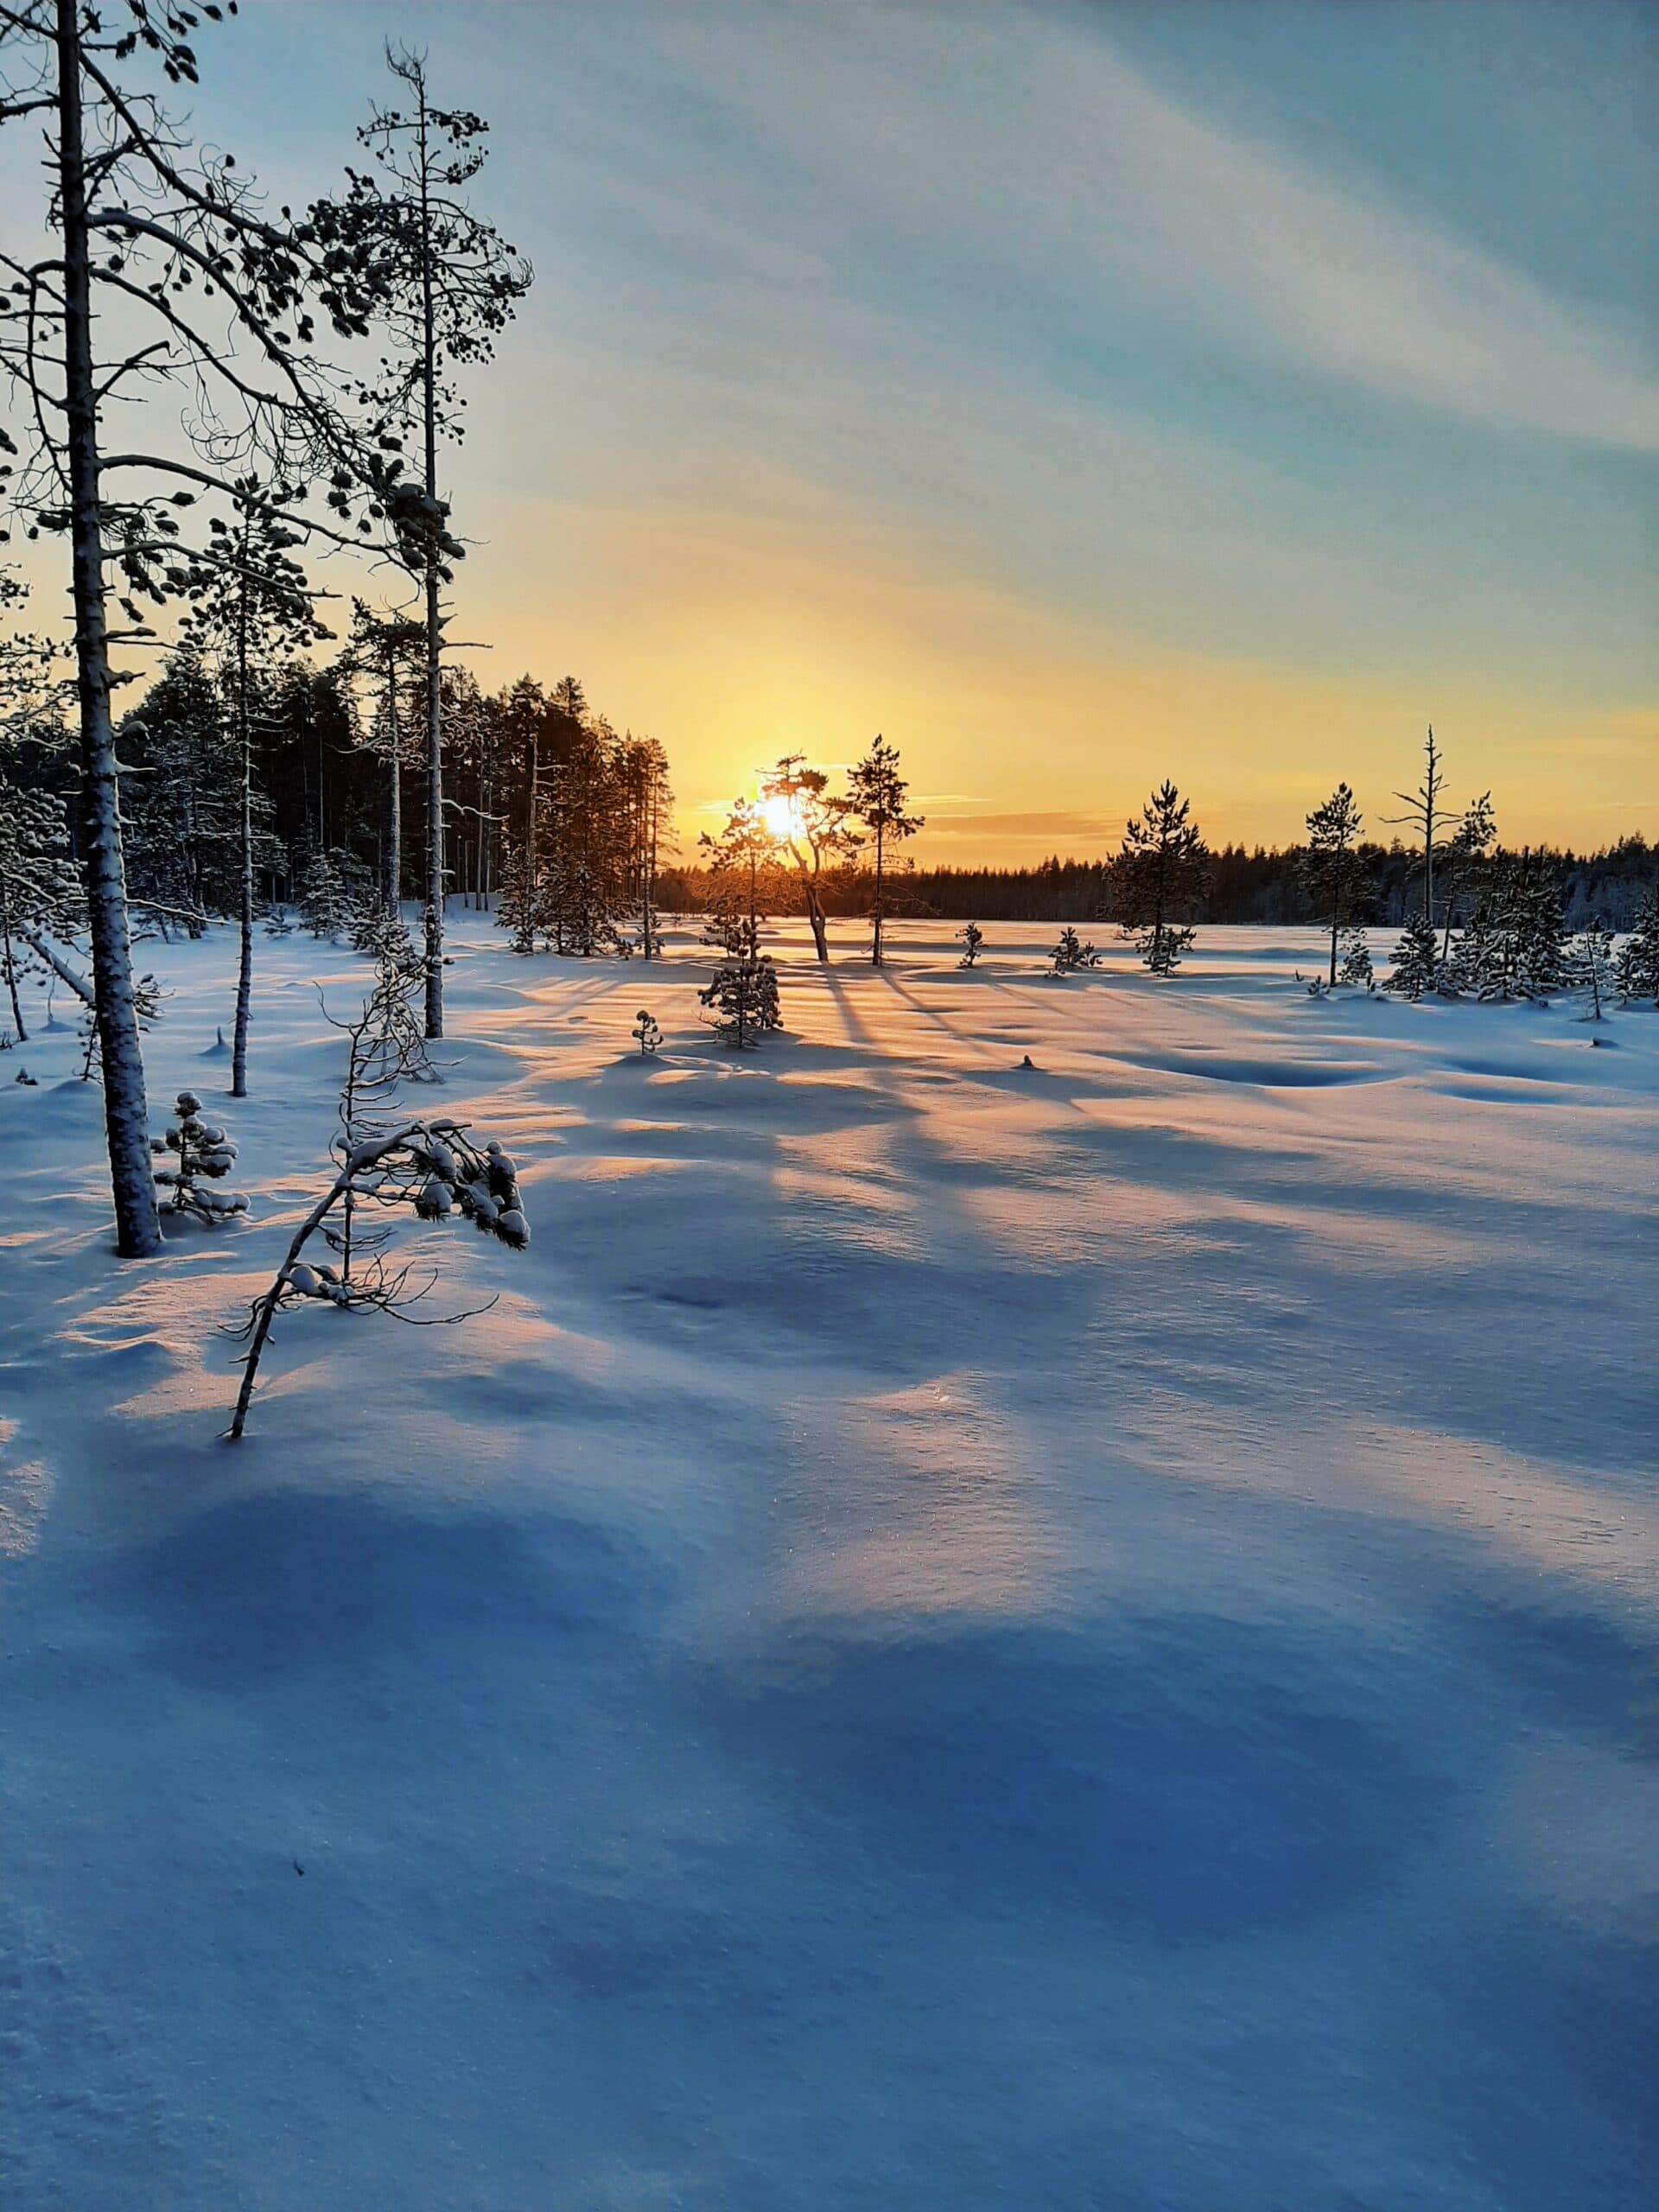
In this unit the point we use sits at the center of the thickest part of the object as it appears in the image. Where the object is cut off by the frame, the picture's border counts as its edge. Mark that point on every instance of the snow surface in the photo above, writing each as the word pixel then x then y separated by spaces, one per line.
pixel 1080 1639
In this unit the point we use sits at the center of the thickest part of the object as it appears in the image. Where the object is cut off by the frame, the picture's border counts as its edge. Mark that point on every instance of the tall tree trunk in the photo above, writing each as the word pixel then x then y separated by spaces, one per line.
pixel 814 916
pixel 1336 921
pixel 394 800
pixel 244 897
pixel 138 1232
pixel 434 697
pixel 875 947
pixel 11 971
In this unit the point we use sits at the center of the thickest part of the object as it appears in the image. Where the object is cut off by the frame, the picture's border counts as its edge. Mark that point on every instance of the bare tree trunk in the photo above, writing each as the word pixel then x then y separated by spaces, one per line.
pixel 875 947
pixel 138 1233
pixel 394 800
pixel 1336 923
pixel 244 899
pixel 434 696
pixel 814 916
pixel 11 975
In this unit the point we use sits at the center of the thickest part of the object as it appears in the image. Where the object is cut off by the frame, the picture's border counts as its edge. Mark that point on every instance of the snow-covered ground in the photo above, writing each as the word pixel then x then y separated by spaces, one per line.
pixel 1083 1638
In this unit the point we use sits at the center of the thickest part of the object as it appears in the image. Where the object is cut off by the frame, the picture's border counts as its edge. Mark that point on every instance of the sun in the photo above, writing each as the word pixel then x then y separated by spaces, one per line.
pixel 779 817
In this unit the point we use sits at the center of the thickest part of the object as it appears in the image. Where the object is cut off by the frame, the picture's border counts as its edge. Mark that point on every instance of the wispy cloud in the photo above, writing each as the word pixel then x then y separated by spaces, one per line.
pixel 1022 136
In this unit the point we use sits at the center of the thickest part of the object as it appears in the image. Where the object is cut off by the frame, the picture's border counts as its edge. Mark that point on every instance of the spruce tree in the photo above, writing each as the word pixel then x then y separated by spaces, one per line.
pixel 971 939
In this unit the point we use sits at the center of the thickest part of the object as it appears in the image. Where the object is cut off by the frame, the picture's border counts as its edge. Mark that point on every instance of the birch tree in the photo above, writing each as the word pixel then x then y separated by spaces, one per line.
pixel 156 267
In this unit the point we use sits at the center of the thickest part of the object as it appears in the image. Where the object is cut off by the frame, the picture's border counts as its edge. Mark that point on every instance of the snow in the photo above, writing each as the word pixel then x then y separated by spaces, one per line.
pixel 961 1636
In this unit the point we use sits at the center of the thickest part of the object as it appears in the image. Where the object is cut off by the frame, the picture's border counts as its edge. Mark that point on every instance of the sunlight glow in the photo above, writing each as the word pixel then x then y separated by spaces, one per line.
pixel 780 818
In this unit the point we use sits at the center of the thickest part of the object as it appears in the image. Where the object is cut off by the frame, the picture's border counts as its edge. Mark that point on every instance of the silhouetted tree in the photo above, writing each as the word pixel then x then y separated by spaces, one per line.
pixel 1162 871
pixel 817 839
pixel 1333 868
pixel 875 798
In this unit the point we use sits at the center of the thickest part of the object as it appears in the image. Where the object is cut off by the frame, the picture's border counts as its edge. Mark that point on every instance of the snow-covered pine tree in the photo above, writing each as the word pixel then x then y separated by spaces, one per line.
pixel 743 993
pixel 1161 871
pixel 39 892
pixel 1589 965
pixel 971 939
pixel 1416 960
pixel 1462 862
pixel 1636 969
pixel 198 1152
pixel 1356 967
pixel 385 1049
pixel 1532 904
pixel 435 1167
pixel 646 1033
pixel 332 890
pixel 1071 954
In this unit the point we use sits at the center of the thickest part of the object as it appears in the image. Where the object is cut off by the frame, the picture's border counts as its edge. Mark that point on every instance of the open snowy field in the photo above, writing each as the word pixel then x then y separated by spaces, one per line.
pixel 1084 1638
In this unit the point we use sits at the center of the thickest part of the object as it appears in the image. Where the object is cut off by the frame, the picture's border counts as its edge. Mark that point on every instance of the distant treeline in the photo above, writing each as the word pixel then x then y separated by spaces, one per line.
pixel 1248 884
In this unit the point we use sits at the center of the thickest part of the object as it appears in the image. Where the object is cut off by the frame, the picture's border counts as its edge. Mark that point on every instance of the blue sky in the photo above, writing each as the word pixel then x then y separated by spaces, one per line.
pixel 1077 393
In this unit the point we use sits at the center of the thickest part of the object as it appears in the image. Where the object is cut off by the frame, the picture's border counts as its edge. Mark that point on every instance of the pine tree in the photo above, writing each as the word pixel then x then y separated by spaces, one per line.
pixel 814 835
pixel 1426 815
pixel 448 285
pixel 388 652
pixel 875 797
pixel 1416 960
pixel 251 613
pixel 1515 946
pixel 333 889
pixel 1071 954
pixel 743 992
pixel 1589 966
pixel 970 939
pixel 198 1153
pixel 1357 967
pixel 1636 969
pixel 646 1033
pixel 741 865
pixel 1161 871
pixel 1334 872
pixel 179 793
pixel 39 894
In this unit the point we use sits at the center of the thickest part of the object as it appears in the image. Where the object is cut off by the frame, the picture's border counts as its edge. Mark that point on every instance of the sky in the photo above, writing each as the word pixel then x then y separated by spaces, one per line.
pixel 1078 395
